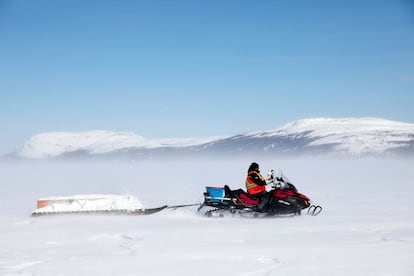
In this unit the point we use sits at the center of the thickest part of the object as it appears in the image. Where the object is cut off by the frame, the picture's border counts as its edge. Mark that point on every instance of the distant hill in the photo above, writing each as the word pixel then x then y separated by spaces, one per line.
pixel 348 136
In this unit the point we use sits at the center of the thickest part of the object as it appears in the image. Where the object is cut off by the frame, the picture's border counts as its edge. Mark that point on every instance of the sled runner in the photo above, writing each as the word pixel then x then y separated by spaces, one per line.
pixel 147 211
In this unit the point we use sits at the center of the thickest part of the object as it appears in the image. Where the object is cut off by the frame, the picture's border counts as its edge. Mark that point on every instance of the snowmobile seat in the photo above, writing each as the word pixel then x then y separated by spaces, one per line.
pixel 241 196
pixel 247 199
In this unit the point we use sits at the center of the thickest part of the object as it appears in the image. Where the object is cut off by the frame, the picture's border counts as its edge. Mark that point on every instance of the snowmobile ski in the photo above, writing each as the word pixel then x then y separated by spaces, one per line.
pixel 314 210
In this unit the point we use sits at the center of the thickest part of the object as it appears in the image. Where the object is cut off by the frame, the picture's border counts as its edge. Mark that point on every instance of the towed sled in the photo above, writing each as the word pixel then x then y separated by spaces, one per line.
pixel 283 199
pixel 97 204
pixel 93 204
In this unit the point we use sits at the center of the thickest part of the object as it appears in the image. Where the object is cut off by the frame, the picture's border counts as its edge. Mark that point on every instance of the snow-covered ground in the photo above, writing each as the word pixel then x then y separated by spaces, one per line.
pixel 366 228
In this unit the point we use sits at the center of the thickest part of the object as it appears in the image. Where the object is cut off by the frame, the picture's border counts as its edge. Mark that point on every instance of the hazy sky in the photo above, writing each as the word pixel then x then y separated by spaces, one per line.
pixel 200 68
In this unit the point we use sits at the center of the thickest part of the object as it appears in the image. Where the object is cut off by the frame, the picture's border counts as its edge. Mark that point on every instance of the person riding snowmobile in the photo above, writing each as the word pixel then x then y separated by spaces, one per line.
pixel 256 186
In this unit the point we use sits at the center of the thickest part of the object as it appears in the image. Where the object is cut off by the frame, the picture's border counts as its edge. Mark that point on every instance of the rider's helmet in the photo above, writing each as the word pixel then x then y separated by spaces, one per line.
pixel 253 167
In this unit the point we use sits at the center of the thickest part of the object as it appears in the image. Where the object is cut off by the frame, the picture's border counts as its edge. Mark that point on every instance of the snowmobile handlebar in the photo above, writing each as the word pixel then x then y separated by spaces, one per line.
pixel 278 182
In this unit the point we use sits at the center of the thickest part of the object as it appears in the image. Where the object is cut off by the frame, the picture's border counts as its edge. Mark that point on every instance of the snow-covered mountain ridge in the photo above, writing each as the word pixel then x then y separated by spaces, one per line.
pixel 49 145
pixel 349 136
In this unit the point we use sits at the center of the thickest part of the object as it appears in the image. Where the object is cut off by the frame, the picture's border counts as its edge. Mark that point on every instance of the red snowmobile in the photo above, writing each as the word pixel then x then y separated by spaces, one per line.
pixel 283 199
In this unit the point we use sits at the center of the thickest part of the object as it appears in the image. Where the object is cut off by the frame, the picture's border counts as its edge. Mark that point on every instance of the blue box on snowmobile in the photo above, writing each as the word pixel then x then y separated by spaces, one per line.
pixel 215 194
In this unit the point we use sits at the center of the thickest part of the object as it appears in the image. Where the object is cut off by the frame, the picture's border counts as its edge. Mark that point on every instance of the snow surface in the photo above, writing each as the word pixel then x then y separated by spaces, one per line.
pixel 366 228
pixel 354 136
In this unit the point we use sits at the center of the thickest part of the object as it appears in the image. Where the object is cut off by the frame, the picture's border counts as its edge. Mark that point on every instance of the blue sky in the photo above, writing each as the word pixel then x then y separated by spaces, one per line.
pixel 200 68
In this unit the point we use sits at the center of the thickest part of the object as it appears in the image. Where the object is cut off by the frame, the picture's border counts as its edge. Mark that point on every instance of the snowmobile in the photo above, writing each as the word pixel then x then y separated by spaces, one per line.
pixel 283 199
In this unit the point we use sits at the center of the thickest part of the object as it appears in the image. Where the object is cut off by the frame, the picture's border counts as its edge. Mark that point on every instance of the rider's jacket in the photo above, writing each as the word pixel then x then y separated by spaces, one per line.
pixel 255 183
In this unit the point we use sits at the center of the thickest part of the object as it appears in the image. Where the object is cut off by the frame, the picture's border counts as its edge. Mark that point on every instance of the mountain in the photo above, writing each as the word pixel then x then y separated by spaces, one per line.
pixel 99 143
pixel 346 136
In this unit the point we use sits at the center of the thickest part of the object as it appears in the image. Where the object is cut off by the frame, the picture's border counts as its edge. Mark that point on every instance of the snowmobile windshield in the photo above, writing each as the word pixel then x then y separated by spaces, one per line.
pixel 281 180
